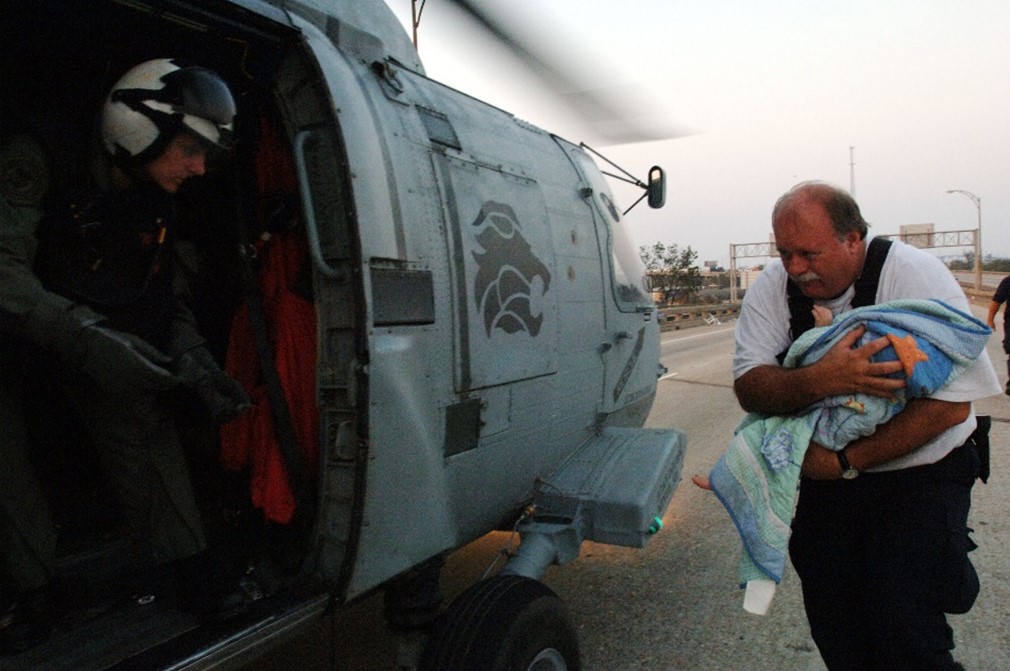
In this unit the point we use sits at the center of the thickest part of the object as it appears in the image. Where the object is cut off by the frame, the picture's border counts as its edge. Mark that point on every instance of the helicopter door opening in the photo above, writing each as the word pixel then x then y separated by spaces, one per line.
pixel 324 201
pixel 504 289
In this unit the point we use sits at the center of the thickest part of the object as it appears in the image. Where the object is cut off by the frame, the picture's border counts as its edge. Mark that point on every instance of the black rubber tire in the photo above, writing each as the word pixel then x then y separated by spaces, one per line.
pixel 503 623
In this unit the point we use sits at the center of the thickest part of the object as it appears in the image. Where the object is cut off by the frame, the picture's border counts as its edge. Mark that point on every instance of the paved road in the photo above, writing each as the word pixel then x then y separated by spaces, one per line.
pixel 675 605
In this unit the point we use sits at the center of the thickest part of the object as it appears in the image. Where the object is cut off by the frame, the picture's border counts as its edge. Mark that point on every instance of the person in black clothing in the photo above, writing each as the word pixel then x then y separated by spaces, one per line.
pixel 999 298
pixel 106 303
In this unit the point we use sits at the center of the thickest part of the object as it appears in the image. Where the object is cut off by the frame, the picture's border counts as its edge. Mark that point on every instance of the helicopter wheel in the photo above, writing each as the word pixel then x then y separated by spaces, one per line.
pixel 504 623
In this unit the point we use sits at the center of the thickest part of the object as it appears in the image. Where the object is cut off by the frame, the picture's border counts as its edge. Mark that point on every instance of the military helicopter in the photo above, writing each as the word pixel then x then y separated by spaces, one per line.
pixel 481 352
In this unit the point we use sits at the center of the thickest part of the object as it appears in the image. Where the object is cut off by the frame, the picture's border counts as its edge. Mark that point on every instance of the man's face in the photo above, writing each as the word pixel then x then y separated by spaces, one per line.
pixel 184 157
pixel 822 265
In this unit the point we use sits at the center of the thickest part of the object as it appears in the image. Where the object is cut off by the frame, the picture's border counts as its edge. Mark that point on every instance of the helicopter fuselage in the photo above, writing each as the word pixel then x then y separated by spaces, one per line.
pixel 482 327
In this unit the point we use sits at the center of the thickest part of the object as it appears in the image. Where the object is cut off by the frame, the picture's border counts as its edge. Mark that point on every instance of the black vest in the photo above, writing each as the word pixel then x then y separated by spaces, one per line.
pixel 112 252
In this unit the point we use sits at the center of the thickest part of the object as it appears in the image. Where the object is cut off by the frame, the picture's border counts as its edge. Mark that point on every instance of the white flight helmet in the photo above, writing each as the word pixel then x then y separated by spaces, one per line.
pixel 156 100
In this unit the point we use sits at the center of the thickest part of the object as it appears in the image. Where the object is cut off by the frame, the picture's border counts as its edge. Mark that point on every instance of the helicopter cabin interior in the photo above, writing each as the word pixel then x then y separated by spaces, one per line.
pixel 252 281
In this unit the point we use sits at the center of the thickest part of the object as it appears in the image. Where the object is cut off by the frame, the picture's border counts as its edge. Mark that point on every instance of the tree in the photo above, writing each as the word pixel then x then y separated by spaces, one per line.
pixel 672 271
pixel 967 263
pixel 997 265
pixel 990 263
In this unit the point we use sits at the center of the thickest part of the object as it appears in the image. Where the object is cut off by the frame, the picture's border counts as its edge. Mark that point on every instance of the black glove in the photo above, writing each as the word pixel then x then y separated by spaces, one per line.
pixel 119 363
pixel 224 398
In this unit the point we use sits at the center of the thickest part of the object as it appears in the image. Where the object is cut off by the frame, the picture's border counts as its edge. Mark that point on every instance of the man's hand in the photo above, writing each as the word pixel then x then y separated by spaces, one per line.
pixel 848 369
pixel 844 369
pixel 120 363
pixel 224 398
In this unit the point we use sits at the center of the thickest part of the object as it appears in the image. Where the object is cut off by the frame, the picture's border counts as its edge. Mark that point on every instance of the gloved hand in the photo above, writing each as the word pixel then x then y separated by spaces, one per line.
pixel 224 398
pixel 119 363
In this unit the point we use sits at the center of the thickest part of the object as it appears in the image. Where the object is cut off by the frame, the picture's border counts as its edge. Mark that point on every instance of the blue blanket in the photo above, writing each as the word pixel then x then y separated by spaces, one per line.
pixel 757 478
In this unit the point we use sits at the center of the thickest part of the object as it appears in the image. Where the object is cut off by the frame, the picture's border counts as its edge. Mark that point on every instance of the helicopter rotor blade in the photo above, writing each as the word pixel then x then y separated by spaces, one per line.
pixel 613 108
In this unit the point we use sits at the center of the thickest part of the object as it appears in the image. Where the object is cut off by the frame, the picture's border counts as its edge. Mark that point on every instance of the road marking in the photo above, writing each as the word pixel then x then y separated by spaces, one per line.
pixel 700 335
pixel 707 384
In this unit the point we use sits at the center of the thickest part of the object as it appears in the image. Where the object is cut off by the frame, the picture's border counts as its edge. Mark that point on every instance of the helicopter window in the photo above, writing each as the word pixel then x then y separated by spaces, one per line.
pixel 630 283
pixel 439 128
pixel 629 271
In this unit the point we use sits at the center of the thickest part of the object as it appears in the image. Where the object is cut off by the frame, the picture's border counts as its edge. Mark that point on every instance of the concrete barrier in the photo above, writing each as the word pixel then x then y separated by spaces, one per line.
pixel 688 316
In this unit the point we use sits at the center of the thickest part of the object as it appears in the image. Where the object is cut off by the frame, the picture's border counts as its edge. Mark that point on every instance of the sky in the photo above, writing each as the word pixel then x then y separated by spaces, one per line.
pixel 898 100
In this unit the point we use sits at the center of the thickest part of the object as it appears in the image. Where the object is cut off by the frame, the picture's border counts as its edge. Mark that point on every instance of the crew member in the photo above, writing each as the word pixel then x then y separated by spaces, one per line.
pixel 106 301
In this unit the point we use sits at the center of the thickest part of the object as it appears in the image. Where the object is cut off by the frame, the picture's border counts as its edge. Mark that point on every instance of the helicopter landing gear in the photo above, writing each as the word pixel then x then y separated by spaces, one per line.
pixel 504 623
pixel 411 607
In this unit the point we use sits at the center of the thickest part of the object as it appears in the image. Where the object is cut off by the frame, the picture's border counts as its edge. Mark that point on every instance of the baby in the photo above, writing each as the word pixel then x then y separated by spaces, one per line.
pixel 822 316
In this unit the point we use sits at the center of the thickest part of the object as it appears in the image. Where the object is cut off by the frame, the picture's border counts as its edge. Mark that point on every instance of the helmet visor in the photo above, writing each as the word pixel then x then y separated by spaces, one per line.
pixel 205 102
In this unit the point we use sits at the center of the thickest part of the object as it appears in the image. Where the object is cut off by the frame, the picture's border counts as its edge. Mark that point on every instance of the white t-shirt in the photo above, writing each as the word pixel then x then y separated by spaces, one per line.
pixel 762 332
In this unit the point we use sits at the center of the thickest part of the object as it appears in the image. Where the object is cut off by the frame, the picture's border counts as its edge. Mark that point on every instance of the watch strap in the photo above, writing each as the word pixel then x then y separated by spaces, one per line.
pixel 848 472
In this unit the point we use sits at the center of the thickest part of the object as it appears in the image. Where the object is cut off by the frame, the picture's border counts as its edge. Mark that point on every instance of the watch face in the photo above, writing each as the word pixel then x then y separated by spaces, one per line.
pixel 850 473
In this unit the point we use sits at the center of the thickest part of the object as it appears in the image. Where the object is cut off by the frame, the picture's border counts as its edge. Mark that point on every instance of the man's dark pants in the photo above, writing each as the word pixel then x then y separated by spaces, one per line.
pixel 881 558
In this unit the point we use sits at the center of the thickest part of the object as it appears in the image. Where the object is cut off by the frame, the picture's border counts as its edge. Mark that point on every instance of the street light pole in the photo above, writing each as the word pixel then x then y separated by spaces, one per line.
pixel 978 235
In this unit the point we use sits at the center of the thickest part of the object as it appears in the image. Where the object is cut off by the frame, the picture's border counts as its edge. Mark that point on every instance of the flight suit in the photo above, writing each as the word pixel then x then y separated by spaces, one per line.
pixel 134 435
pixel 27 537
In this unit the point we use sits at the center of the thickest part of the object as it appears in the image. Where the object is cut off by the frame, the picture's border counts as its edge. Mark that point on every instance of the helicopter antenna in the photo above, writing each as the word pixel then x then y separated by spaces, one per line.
pixel 416 9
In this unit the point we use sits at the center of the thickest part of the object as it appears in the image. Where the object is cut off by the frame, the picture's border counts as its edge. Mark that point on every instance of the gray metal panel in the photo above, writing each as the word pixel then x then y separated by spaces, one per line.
pixel 504 293
pixel 402 297
pixel 439 127
pixel 616 486
pixel 462 426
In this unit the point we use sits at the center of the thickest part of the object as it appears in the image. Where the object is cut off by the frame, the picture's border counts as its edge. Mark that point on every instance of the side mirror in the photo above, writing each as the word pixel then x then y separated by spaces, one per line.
pixel 656 187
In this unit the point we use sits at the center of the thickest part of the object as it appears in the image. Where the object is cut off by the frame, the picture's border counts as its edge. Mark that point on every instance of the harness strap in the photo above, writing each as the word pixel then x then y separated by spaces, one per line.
pixel 866 285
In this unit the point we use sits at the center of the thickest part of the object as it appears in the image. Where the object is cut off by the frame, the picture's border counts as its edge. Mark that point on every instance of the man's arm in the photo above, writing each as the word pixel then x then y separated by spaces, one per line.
pixel 845 369
pixel 922 420
pixel 999 297
pixel 993 309
pixel 118 362
pixel 193 363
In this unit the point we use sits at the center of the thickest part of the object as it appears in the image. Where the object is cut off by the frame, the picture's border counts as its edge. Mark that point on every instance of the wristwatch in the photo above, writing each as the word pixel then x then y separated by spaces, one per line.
pixel 848 472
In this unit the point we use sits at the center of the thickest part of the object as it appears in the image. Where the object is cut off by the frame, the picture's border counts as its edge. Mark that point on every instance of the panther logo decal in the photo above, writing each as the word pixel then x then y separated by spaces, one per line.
pixel 511 282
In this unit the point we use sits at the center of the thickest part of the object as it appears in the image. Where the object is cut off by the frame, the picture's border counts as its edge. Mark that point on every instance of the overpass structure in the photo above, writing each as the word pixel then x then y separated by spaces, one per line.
pixel 932 240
